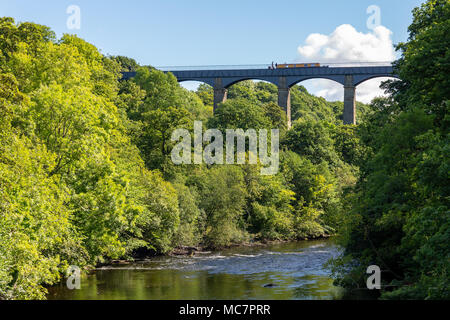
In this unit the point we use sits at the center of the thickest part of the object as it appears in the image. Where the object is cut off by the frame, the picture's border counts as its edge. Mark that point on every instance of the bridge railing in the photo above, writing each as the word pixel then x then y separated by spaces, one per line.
pixel 266 66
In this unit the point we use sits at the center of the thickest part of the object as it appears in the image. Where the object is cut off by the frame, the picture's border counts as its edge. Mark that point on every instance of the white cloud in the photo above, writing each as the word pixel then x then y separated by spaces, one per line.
pixel 346 44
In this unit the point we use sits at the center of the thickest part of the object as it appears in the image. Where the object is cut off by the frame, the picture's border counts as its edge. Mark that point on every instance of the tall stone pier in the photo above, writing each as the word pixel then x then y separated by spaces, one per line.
pixel 220 93
pixel 349 101
pixel 284 99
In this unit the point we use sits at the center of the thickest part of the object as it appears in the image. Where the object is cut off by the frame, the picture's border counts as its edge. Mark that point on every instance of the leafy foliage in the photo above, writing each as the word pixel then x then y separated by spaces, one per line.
pixel 400 210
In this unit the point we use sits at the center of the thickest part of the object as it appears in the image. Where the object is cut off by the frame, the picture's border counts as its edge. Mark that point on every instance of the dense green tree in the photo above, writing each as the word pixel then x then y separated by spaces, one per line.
pixel 347 144
pixel 12 34
pixel 37 238
pixel 244 90
pixel 276 115
pixel 223 200
pixel 239 114
pixel 206 93
pixel 198 110
pixel 70 194
pixel 126 64
pixel 162 90
pixel 160 218
pixel 191 226
pixel 312 140
pixel 425 63
pixel 269 205
pixel 400 217
pixel 307 107
pixel 317 203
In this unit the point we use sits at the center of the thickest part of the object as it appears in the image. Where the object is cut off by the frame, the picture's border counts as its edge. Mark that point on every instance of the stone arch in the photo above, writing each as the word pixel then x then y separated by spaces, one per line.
pixel 358 79
pixel 192 84
pixel 206 81
pixel 292 81
pixel 228 82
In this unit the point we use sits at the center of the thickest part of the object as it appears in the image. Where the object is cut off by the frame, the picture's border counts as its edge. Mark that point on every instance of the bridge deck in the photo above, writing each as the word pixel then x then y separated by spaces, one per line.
pixel 292 75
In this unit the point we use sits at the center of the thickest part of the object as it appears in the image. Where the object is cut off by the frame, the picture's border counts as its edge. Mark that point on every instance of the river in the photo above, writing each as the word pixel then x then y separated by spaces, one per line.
pixel 281 271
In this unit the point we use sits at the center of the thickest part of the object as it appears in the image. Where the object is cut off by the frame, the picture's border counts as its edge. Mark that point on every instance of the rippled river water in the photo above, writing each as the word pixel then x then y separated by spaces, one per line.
pixel 282 271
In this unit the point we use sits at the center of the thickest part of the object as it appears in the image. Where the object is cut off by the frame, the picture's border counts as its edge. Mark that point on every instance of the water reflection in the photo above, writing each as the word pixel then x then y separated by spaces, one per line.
pixel 282 271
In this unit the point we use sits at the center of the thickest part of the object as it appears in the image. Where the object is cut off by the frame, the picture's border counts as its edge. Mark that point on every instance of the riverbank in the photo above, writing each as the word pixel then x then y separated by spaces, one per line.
pixel 187 250
pixel 202 250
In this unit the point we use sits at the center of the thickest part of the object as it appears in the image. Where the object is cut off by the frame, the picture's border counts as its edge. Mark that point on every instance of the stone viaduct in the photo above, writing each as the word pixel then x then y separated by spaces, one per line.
pixel 284 79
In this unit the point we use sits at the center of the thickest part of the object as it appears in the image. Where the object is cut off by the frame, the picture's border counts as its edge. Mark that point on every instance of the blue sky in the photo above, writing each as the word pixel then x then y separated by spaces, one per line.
pixel 233 32
pixel 209 32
